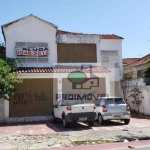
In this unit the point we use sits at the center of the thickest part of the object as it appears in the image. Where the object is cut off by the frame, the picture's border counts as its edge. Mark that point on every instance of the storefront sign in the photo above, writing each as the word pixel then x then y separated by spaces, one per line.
pixel 32 51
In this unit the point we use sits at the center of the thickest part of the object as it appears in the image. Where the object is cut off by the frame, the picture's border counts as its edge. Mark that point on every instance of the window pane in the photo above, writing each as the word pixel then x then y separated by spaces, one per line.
pixel 31 45
pixel 20 44
pixel 105 58
pixel 105 52
pixel 42 44
pixel 114 52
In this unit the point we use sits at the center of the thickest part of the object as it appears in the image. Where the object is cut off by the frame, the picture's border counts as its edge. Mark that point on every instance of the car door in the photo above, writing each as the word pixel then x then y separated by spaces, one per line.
pixel 57 110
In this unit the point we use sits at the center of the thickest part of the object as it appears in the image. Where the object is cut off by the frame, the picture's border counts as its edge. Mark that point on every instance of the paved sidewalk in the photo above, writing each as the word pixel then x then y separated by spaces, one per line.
pixel 71 138
pixel 50 127
pixel 50 135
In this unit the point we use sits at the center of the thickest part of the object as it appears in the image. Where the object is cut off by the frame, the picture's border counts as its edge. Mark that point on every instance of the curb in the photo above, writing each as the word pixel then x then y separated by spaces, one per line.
pixel 110 146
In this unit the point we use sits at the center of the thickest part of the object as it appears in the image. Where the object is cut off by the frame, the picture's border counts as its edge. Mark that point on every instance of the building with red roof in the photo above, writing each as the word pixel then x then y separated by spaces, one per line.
pixel 48 56
pixel 136 68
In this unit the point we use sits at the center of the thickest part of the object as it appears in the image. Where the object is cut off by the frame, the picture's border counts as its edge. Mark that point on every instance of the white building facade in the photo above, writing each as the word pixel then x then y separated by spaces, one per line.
pixel 47 55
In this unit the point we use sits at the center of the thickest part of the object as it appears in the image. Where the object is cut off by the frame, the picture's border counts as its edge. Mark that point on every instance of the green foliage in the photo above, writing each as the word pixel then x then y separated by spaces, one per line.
pixel 13 63
pixel 2 51
pixel 2 56
pixel 7 77
pixel 147 73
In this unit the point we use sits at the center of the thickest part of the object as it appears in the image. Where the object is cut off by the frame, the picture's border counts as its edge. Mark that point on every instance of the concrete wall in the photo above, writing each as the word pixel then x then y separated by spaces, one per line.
pixel 31 30
pixel 115 89
pixel 80 38
pixel 141 102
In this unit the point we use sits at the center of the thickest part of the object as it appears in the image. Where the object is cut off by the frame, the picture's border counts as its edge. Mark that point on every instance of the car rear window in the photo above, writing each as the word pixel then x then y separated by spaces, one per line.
pixel 72 102
pixel 109 101
pixel 119 101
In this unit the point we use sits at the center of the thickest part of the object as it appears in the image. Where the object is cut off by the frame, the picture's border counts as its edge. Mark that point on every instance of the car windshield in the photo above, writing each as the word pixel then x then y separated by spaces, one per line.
pixel 72 102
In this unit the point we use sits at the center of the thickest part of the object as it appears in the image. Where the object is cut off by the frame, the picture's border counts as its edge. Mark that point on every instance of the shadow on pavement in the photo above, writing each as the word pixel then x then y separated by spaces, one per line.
pixel 58 126
pixel 138 116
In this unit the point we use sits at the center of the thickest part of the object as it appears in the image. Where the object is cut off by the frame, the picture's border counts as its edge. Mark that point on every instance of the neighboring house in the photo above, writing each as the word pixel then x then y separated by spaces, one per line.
pixel 128 61
pixel 137 68
pixel 48 56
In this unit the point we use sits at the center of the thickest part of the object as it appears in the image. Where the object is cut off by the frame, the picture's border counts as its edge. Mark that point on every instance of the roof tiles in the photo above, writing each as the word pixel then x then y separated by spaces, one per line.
pixel 139 62
pixel 128 61
pixel 102 36
pixel 61 70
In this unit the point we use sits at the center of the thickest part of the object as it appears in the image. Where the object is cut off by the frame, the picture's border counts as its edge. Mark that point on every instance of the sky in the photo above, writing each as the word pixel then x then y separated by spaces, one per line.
pixel 129 19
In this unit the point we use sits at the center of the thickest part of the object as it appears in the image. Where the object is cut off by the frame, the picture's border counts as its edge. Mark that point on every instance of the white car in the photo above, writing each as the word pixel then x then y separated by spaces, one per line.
pixel 73 110
pixel 112 108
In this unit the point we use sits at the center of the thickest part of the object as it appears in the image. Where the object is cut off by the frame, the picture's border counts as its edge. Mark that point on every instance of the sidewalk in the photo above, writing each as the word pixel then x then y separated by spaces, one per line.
pixel 49 135
pixel 49 127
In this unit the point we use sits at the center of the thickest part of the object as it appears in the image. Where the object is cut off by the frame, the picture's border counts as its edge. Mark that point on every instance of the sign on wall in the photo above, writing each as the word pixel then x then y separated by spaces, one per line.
pixel 40 51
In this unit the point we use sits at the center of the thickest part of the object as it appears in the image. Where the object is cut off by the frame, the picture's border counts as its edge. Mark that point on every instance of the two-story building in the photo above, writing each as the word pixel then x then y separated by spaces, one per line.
pixel 57 64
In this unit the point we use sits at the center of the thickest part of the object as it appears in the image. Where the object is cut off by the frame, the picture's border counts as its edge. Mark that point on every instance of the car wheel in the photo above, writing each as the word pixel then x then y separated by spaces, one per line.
pixel 65 123
pixel 91 123
pixel 100 119
pixel 126 121
pixel 54 118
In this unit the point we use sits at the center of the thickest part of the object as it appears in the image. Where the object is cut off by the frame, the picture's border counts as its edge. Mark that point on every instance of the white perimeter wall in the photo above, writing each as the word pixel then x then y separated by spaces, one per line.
pixel 144 106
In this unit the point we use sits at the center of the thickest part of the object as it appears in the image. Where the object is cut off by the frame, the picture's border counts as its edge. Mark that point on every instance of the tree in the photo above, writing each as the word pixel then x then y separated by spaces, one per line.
pixel 147 73
pixel 7 77
pixel 2 51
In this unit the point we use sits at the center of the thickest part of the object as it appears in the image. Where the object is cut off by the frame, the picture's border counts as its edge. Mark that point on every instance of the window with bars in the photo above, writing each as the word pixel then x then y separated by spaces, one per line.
pixel 29 52
pixel 109 59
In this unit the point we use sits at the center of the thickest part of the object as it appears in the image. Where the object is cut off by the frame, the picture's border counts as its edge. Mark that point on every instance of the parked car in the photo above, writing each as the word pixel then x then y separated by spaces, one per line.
pixel 112 109
pixel 73 110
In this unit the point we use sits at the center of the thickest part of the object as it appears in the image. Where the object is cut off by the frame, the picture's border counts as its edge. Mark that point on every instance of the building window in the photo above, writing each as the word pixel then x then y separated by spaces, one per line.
pixel 28 52
pixel 140 73
pixel 109 59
